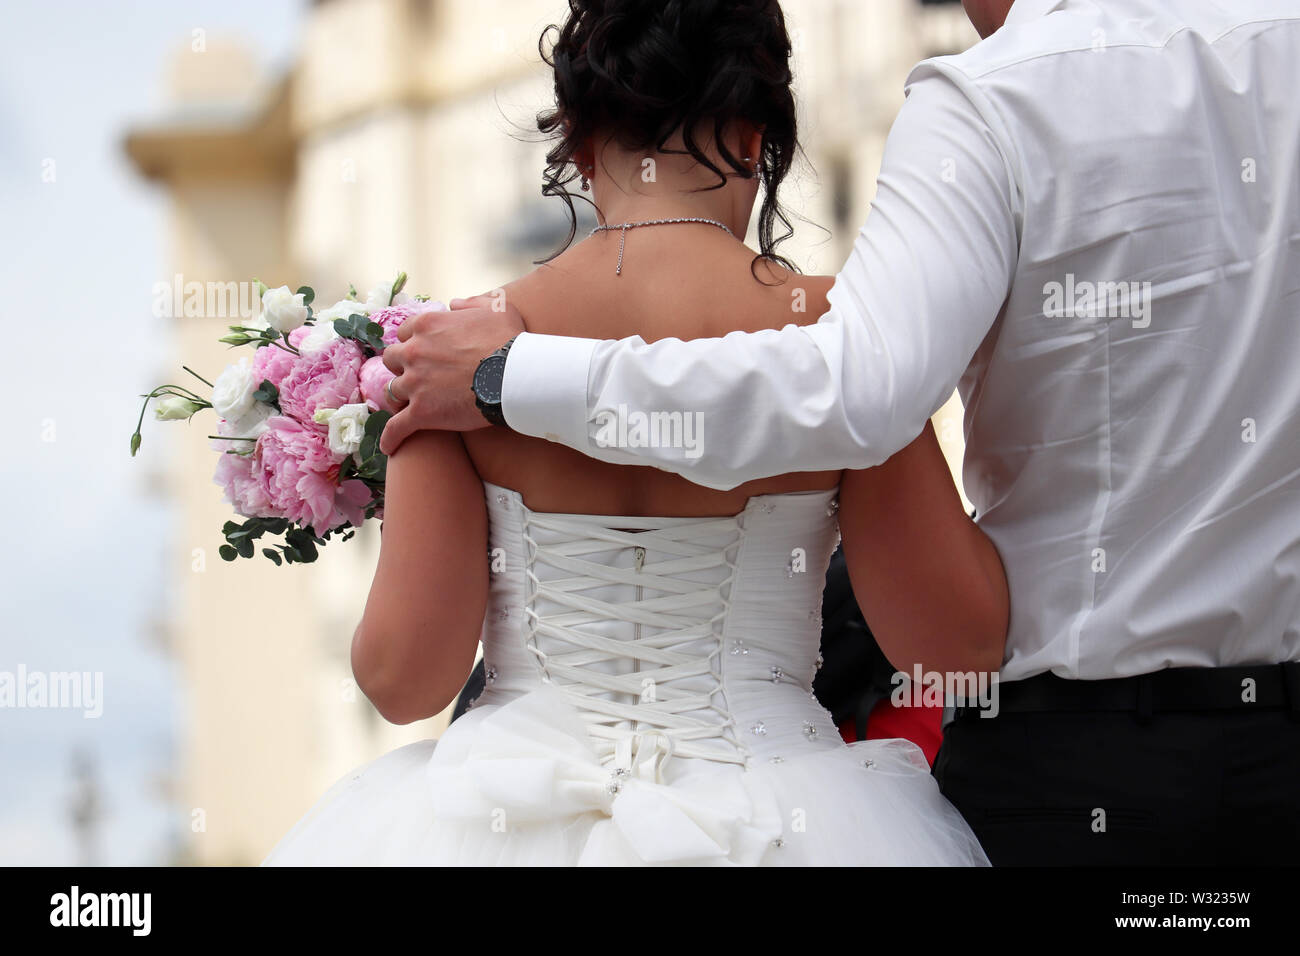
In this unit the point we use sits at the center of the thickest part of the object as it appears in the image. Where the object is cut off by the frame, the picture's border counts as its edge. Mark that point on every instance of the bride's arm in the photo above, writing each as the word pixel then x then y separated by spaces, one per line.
pixel 417 639
pixel 929 581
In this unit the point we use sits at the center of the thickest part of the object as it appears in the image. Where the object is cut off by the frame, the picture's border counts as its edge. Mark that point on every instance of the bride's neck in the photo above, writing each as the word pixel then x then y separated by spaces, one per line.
pixel 631 187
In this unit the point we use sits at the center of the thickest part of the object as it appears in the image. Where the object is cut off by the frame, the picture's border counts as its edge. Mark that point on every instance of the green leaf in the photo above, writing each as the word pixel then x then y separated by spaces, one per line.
pixel 307 293
pixel 227 553
pixel 376 422
pixel 268 394
pixel 273 555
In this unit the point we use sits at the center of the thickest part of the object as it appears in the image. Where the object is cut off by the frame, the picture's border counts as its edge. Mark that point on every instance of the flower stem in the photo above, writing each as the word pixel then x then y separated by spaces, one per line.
pixel 198 376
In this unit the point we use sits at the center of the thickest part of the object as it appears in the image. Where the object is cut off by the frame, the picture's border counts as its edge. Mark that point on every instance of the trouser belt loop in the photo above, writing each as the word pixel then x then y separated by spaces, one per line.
pixel 1144 702
pixel 1291 687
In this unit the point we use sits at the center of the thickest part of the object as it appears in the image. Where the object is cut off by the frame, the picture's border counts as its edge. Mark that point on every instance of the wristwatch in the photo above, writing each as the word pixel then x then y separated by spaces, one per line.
pixel 488 377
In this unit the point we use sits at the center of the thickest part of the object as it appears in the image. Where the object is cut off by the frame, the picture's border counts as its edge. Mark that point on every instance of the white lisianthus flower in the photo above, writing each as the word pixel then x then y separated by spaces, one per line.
pixel 377 298
pixel 321 335
pixel 341 309
pixel 251 425
pixel 232 393
pixel 347 426
pixel 173 408
pixel 283 310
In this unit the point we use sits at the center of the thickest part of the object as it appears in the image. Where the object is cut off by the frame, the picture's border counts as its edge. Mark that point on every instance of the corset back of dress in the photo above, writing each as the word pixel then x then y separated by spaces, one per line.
pixel 671 637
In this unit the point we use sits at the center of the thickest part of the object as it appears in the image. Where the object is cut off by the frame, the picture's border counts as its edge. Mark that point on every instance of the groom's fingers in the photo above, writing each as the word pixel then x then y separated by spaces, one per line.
pixel 396 430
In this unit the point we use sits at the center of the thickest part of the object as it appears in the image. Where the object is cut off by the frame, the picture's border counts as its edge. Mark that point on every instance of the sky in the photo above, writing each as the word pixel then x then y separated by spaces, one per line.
pixel 87 539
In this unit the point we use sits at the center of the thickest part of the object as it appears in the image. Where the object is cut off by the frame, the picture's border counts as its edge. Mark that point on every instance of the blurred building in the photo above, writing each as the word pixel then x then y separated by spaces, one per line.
pixel 401 138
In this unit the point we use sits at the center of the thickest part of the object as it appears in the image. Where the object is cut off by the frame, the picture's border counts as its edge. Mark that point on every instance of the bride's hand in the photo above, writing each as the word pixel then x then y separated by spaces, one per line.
pixel 434 361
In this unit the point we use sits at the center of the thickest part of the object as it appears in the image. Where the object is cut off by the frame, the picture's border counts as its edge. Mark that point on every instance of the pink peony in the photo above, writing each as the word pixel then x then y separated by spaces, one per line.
pixel 326 379
pixel 272 363
pixel 374 376
pixel 392 317
pixel 238 475
pixel 300 477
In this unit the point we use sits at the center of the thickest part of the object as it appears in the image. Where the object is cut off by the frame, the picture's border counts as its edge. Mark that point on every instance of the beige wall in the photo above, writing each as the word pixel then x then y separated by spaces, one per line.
pixel 394 143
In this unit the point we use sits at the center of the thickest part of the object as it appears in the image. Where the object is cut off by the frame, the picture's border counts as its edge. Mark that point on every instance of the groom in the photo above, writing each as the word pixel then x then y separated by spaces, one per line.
pixel 1090 224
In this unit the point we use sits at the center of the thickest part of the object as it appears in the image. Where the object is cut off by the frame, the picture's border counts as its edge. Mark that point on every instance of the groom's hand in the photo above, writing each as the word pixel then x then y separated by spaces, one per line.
pixel 434 360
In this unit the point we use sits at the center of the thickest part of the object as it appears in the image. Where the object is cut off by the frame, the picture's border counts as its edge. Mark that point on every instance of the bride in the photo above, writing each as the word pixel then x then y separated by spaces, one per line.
pixel 650 644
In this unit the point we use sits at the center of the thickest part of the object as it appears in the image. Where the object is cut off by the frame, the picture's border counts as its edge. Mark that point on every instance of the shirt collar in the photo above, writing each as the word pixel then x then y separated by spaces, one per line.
pixel 1023 11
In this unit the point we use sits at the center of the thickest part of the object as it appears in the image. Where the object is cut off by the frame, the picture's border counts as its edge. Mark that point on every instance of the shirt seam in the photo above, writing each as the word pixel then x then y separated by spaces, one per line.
pixel 951 61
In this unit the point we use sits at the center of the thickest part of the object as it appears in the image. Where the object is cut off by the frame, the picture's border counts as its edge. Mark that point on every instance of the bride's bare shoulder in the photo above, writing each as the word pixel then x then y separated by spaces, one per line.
pixel 709 293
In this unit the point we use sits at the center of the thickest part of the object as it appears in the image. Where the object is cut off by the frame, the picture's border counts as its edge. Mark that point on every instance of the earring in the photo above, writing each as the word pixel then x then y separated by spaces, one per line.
pixel 586 185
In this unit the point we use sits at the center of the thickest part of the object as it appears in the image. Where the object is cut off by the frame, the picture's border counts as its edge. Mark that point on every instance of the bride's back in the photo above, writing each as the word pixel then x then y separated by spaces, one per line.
pixel 683 281
pixel 665 110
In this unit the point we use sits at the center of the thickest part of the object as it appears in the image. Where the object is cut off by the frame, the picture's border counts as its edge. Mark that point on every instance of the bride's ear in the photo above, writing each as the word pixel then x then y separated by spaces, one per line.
pixel 584 157
pixel 751 146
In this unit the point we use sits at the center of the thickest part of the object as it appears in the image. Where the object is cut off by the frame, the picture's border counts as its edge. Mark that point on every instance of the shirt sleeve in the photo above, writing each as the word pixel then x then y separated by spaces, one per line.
pixel 921 289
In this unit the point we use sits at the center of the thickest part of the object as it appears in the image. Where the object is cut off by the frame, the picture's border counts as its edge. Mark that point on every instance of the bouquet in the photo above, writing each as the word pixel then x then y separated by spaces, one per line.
pixel 299 420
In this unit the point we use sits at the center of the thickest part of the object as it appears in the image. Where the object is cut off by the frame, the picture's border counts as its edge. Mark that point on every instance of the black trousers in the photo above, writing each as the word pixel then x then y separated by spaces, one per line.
pixel 1071 789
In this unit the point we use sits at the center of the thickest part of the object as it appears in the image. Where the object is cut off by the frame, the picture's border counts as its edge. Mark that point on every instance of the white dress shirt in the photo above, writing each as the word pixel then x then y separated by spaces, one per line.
pixel 1090 224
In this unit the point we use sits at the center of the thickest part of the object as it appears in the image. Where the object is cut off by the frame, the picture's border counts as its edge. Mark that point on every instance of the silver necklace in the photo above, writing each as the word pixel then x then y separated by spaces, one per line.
pixel 623 227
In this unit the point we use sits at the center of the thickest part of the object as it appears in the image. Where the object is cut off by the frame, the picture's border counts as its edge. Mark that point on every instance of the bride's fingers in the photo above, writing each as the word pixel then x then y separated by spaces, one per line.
pixel 396 430
pixel 473 302
pixel 393 393
pixel 392 356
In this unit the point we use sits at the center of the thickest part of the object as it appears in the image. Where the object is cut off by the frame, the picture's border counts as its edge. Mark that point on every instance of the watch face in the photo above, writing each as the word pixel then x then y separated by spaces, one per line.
pixel 487 379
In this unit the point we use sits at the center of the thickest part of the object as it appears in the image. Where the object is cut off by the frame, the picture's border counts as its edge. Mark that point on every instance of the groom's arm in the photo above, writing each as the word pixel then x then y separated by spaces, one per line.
pixel 926 279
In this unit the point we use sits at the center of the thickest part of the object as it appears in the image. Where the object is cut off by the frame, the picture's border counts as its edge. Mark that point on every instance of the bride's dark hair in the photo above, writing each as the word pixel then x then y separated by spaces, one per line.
pixel 641 70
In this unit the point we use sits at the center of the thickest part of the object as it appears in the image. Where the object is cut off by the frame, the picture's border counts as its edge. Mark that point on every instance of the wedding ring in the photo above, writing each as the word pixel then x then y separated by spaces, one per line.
pixel 388 390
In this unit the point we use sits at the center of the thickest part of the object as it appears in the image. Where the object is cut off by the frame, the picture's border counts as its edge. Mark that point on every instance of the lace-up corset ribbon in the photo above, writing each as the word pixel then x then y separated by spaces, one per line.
pixel 672 638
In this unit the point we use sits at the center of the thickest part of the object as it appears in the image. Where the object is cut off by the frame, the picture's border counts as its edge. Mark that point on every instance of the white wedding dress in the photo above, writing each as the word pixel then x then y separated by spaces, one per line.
pixel 648 701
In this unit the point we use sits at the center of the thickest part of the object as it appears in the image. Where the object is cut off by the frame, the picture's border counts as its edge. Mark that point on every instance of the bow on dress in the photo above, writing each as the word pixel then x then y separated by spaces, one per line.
pixel 530 761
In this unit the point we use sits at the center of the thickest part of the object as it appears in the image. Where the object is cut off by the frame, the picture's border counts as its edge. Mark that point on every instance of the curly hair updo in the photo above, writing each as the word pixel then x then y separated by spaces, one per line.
pixel 640 71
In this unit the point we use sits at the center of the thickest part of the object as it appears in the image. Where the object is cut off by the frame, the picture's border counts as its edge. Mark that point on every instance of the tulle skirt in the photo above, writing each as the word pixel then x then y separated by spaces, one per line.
pixel 519 784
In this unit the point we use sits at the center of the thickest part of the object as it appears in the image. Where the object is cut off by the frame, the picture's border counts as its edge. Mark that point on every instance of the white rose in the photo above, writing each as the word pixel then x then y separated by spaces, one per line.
pixel 232 393
pixel 347 428
pixel 251 425
pixel 283 310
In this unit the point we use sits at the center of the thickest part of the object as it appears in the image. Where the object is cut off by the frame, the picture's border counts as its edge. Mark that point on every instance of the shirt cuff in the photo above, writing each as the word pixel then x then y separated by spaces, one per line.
pixel 544 392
